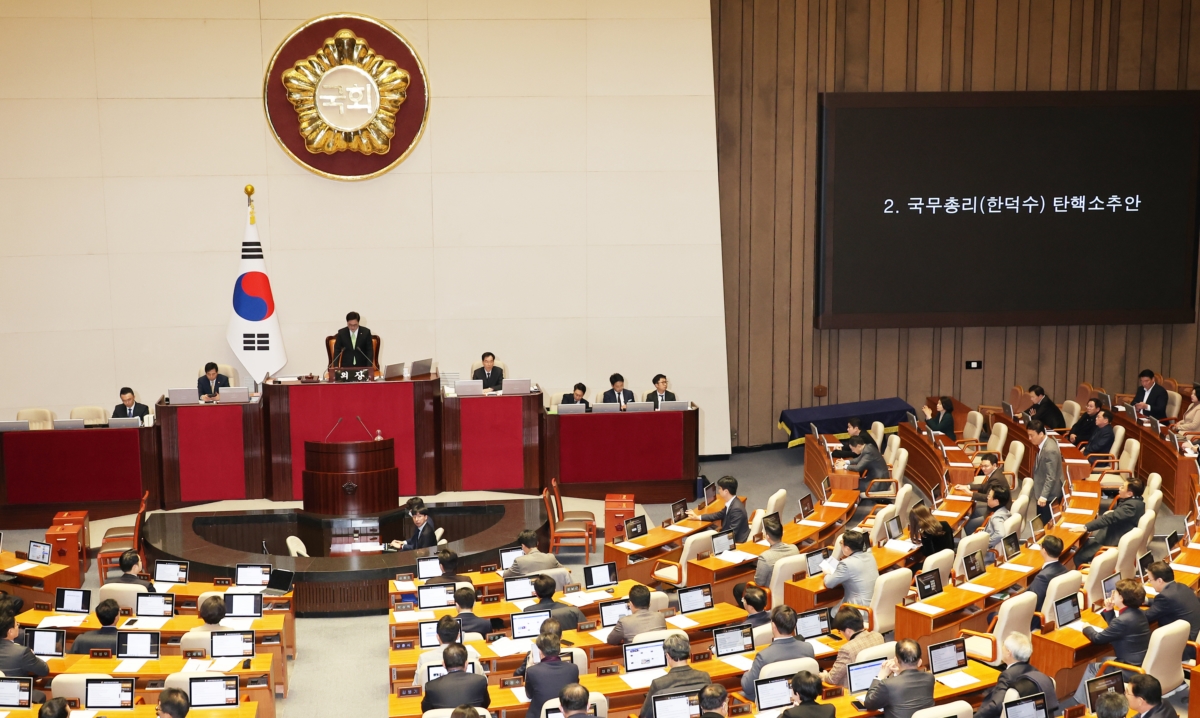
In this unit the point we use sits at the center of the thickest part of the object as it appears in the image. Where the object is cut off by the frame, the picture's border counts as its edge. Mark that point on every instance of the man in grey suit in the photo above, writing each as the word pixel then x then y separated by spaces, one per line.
pixel 641 620
pixel 1110 526
pixel 680 676
pixel 106 636
pixel 1047 469
pixel 532 561
pixel 773 529
pixel 784 647
pixel 18 661
pixel 869 464
pixel 568 615
pixel 856 571
pixel 733 516
pixel 901 688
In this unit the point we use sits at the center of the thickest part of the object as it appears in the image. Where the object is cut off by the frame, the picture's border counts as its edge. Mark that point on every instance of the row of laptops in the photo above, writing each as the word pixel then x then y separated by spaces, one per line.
pixel 114 423
pixel 157 605
pixel 118 693
pixel 225 394
pixel 51 643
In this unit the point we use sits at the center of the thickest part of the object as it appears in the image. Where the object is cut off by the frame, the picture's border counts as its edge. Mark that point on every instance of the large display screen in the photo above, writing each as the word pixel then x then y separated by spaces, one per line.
pixel 1007 208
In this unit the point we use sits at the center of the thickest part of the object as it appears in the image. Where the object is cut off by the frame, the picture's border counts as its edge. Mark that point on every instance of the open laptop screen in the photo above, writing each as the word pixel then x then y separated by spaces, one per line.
pixel 108 693
pixel 138 644
pixel 46 643
pixel 252 574
pixel 427 633
pixel 507 556
pixel 437 671
pixel 171 571
pixel 600 575
pixel 806 506
pixel 929 584
pixel 230 644
pixel 679 510
pixel 722 542
pixel 948 656
pixel 14 692
pixel 974 565
pixel 72 600
pixel 527 625
pixel 439 595
pixel 612 611
pixel 1109 584
pixel 1066 610
pixel 733 640
pixel 893 528
pixel 773 692
pixel 676 705
pixel 862 673
pixel 428 568
pixel 155 604
pixel 1012 546
pixel 515 588
pixel 213 691
pixel 812 624
pixel 710 494
pixel 645 655
pixel 696 598
pixel 243 605
pixel 814 560
pixel 39 552
pixel 1033 706
pixel 635 527
pixel 1108 683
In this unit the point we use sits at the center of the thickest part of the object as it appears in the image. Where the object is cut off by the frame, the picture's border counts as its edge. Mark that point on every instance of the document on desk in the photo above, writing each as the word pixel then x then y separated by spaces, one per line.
pixel 1185 568
pixel 681 621
pixel 642 679
pixel 524 603
pixel 1086 494
pixel 680 529
pixel 1075 626
pixel 985 590
pixel 926 608
pixel 601 634
pixel 1073 527
pixel 837 505
pixel 405 586
pixel 740 662
pixel 957 679
pixel 22 567
pixel 61 621
pixel 578 600
pixel 1075 461
pixel 145 623
pixel 819 647
pixel 899 545
pixel 630 546
pixel 735 556
pixel 962 464
pixel 1193 545
pixel 237 624
pixel 412 616
pixel 1088 512
pixel 164 587
pixel 225 665
pixel 78 714
pixel 814 524
pixel 1016 567
pixel 509 647
pixel 520 694
pixel 946 514
pixel 246 589
pixel 959 497
pixel 130 665
pixel 195 665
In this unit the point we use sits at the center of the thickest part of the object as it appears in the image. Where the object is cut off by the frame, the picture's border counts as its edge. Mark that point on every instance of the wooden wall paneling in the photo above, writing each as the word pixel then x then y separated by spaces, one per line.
pixel 930 30
pixel 1185 43
pixel 838 28
pixel 920 366
pixel 867 376
pixel 875 37
pixel 983 46
pixel 785 112
pixel 1006 44
pixel 1021 81
pixel 1149 45
pixel 1040 42
pixel 1193 53
pixel 810 31
pixel 1060 44
pixel 956 46
pixel 1169 30
pixel 1127 15
pixel 857 46
pixel 745 47
pixel 1183 351
pixel 947 367
pixel 911 48
pixel 887 362
pixel 1028 356
pixel 895 45
pixel 1075 45
pixel 1047 347
pixel 1063 369
pixel 1113 365
pixel 849 364
pixel 803 146
pixel 1150 353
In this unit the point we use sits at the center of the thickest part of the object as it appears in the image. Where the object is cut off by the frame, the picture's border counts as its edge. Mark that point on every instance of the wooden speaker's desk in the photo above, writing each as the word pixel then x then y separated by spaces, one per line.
pixel 492 443
pixel 1063 654
pixel 212 452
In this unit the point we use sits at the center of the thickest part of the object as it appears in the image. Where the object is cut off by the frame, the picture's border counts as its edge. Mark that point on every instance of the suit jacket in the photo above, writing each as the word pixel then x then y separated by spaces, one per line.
pixel 101 638
pixel 767 559
pixel 995 525
pixel 846 453
pixel 640 621
pixel 994 480
pixel 933 543
pixel 732 516
pixel 1176 602
pixel 810 709
pixel 433 657
pixel 362 353
pixel 1190 421
pixel 570 399
pixel 452 578
pixel 781 649
pixel 139 410
pixel 423 537
pixel 1157 400
pixel 856 574
pixel 19 661
pixel 901 695
pixel 761 618
pixel 994 703
pixel 475 624
pixel 838 674
pixel 532 563
pixel 1129 634
pixel 1112 525
pixel 653 396
pixel 545 679
pixel 870 464
pixel 455 689
pixel 943 423
pixel 1162 710
pixel 566 614
pixel 495 381
pixel 1084 427
pixel 677 680
pixel 132 578
pixel 1050 571
pixel 1048 471
pixel 610 396
pixel 1046 412
pixel 1101 442
pixel 205 388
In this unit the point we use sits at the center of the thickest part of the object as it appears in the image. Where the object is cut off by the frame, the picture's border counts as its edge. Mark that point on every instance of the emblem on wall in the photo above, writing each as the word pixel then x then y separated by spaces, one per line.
pixel 346 96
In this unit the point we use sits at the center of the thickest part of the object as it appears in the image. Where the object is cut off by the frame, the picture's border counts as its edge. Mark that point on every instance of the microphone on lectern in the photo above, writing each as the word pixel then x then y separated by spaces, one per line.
pixel 364 426
pixel 335 425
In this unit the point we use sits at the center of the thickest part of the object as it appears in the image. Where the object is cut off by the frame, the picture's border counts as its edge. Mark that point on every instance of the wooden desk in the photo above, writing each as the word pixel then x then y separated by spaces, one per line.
pixel 810 592
pixel 658 543
pixel 37 584
pixel 187 596
pixel 212 452
pixel 1178 472
pixel 1063 654
pixel 247 709
pixel 818 465
pixel 1075 465
pixel 927 465
pixel 491 443
pixel 973 693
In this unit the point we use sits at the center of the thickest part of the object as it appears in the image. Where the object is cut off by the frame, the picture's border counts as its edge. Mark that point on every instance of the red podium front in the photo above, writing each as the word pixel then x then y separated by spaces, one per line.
pixel 350 478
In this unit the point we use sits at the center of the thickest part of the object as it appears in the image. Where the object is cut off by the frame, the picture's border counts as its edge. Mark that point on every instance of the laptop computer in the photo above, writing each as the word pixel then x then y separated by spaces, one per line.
pixel 722 542
pixel 527 625
pixel 1108 683
pixel 695 598
pixel 15 692
pixel 644 656
pixel 171 571
pixel 826 489
pixel 635 527
pixel 636 406
pixel 508 555
pixel 468 387
pixel 45 642
pixel 974 565
pixel 710 492
pixel 572 409
pixel 1109 584
pixel 69 424
pixel 733 640
pixel 1033 706
pixel 427 636
pixel 813 624
pixel 1066 610
pixel 252 574
pixel 243 605
pixel 213 691
pixel 183 397
pixel 108 693
pixel 1037 526
pixel 893 528
pixel 675 705
pixel 606 408
pixel 437 671
pixel 439 595
pixel 1171 541
pixel 1008 410
pixel 280 582
pixel 938 494
pixel 515 588
pixel 515 386
pixel 1011 545
pixel 772 693
pixel 612 611
pixel 39 552
pixel 392 371
pixel 125 422
pixel 674 405
pixel 806 506
pixel 421 367
pixel 14 426
pixel 600 575
pixel 231 644
pixel 234 395
pixel 929 584
pixel 860 676
pixel 138 644
pixel 947 656
pixel 679 511
pixel 814 559
pixel 72 600
pixel 157 605
pixel 429 567
pixel 1143 563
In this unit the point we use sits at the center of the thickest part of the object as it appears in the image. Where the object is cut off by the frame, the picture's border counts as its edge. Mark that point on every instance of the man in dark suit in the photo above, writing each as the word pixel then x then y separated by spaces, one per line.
pixel 784 647
pixel 618 394
pixel 806 689
pixel 1052 568
pixel 129 408
pixel 1103 437
pixel 754 600
pixel 1044 410
pixel 491 375
pixel 1016 651
pixel 576 396
pixel 733 516
pixel 131 566
pixel 868 464
pixel 640 619
pixel 464 599
pixel 569 616
pixel 1128 630
pixel 993 478
pixel 1150 399
pixel 1086 424
pixel 105 636
pixel 1144 694
pixel 1047 469
pixel 901 688
pixel 854 428
pixel 660 393
pixel 574 700
pixel 448 561
pixel 713 701
pixel 17 661
pixel 1174 602
pixel 423 536
pixel 545 679
pixel 353 346
pixel 209 385
pixel 680 678
pixel 1112 525
pixel 457 687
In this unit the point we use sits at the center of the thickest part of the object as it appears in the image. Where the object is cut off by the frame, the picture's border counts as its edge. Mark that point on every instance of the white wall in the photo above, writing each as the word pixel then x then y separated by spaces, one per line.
pixel 560 211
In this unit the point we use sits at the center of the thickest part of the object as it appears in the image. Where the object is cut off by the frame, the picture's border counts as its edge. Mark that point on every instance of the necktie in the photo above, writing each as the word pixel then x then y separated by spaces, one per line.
pixel 129 412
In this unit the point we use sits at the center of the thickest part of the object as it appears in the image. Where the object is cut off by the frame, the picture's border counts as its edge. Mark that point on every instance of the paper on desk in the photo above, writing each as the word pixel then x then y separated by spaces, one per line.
pixel 680 529
pixel 225 665
pixel 682 621
pixel 820 648
pixel 195 665
pixel 1016 567
pixel 1080 511
pixel 630 546
pixel 601 634
pixel 946 514
pixel 1119 408
pixel 1185 568
pixel 1075 626
pixel 412 616
pixel 773 713
pixel 740 662
pixel 509 647
pixel 899 545
pixel 405 586
pixel 837 505
pixel 832 445
pixel 1086 494
pixel 1065 443
pixel 524 603
pixel 579 600
pixel 81 714
pixel 1193 545
pixel 829 565
pixel 23 566
pixel 926 608
pixel 164 587
pixel 642 679
pixel 959 497
pixel 237 624
pixel 130 665
pixel 815 524
pixel 520 694
pixel 977 588
pixel 957 679
pixel 145 623
pixel 962 464
pixel 763 542
pixel 735 556
pixel 245 589
pixel 61 621
pixel 1075 461
pixel 1073 527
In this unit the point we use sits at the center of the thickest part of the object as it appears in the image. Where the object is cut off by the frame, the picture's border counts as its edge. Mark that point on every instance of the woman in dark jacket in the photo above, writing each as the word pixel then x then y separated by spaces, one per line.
pixel 941 419
pixel 934 535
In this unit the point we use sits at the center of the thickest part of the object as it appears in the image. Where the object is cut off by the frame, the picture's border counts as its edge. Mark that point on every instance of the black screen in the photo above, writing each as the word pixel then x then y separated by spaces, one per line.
pixel 963 209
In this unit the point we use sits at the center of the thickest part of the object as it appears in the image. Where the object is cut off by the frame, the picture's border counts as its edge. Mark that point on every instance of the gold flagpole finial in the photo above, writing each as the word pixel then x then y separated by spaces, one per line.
pixel 250 201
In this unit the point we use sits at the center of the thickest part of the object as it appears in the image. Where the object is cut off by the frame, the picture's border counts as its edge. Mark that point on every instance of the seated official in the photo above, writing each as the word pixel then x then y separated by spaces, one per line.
pixel 532 561
pixel 681 677
pixel 131 566
pixel 576 396
pixel 573 700
pixel 773 531
pixel 569 616
pixel 993 478
pixel 464 600
pixel 754 600
pixel 784 647
pixel 1111 705
pixel 1128 630
pixel 806 689
pixel 210 384
pixel 733 515
pixel 901 688
pixel 448 635
pixel 549 627
pixel 854 428
pixel 1086 424
pixel 173 703
pixel 423 531
pixel 103 637
pixel 491 375
pixel 1173 602
pixel 1052 568
pixel 1190 421
pixel 856 571
pixel 212 612
pixel 929 531
pixel 1016 651
pixel 545 679
pixel 129 408
pixel 1103 437
pixel 618 394
pixel 714 701
pixel 448 560
pixel 660 393
pixel 353 346
pixel 1044 409
pixel 1144 694
pixel 999 501
pixel 1150 398
pixel 941 417
pixel 457 687
pixel 17 661
pixel 1110 526
pixel 868 462
pixel 640 620
pixel 54 708
pixel 849 622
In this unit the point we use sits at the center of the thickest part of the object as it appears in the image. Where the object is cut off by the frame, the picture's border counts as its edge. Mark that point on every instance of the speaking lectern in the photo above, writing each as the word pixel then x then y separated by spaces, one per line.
pixel 350 478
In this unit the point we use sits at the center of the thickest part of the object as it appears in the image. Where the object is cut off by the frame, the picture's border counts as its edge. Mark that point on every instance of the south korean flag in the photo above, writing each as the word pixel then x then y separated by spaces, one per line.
pixel 253 331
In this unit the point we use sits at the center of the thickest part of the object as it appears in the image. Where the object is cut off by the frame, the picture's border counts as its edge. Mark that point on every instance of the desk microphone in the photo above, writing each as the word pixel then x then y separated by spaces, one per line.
pixel 364 356
pixel 336 359
pixel 364 426
pixel 335 425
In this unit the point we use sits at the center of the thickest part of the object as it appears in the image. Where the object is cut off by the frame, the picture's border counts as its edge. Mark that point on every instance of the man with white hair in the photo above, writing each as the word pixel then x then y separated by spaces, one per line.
pixel 1016 652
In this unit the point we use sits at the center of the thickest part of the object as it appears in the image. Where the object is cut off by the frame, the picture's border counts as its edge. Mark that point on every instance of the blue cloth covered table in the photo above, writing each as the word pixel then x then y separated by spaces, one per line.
pixel 832 419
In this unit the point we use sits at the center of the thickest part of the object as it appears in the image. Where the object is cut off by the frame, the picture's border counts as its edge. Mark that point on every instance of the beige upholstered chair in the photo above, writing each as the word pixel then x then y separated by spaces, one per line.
pixel 658 634
pixel 1127 552
pixel 226 369
pixel 1068 584
pixel 784 570
pixel 892 448
pixel 1162 656
pixel 957 709
pixel 39 419
pixel 1112 474
pixel 877 432
pixel 1174 401
pixel 943 561
pixel 879 528
pixel 125 594
pixel 971 543
pixel 196 641
pixel 890 588
pixel 777 503
pixel 1012 463
pixel 1103 566
pixel 889 488
pixel 91 415
pixel 554 396
pixel 676 573
pixel 1070 412
pixel 1153 483
pixel 1015 616
pixel 973 429
pixel 883 650
pixel 296 547
pixel 73 686
pixel 994 444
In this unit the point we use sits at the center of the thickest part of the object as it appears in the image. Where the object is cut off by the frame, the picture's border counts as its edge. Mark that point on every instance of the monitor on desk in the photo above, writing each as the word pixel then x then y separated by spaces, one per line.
pixel 1033 706
pixel 280 582
pixel 14 426
pixel 427 634
pixel 527 625
pixel 439 595
pixel 508 555
pixel 974 565
pixel 69 424
pixel 601 575
pixel 695 598
pixel 861 674
pixel 1008 410
pixel 948 656
pixel 45 642
pixel 635 527
pixel 634 407
pixel 108 693
pixel 515 588
pixel 1155 426
pixel 233 395
pixel 644 656
pixel 572 409
pixel 1143 563
pixel 1109 584
pixel 806 506
pixel 733 640
pixel 155 604
pixel 232 644
pixel 515 386
pixel 826 489
pixel 679 511
pixel 813 624
pixel 1131 410
pixel 124 422
pixel 1108 683
pixel 138 644
pixel 15 692
pixel 938 494
pixel 171 571
pixel 929 584
pixel 722 542
pixel 710 492
pixel 428 568
pixel 435 672
pixel 183 397
pixel 1174 439
pixel 674 405
pixel 468 387
pixel 603 408
pixel 213 691
pixel 72 600
pixel 772 693
pixel 392 371
pixel 912 420
pixel 675 705
pixel 243 605
pixel 612 611
pixel 1012 546
pixel 814 559
pixel 1037 525
pixel 39 552
pixel 422 367
pixel 252 574
pixel 1066 610
pixel 894 530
